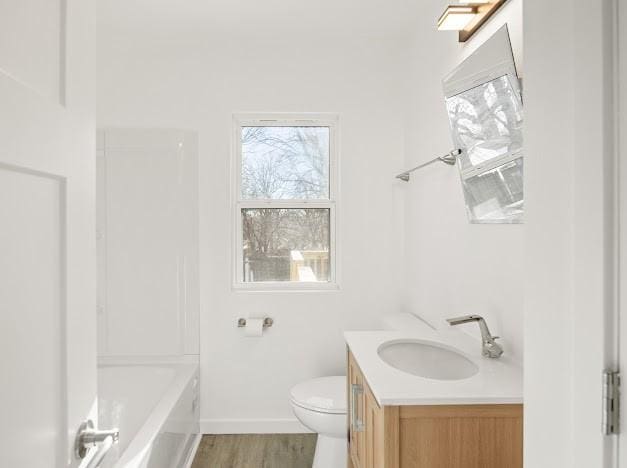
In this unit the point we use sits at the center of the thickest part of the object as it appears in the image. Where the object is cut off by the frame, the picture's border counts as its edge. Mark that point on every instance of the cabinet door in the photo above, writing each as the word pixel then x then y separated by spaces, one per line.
pixel 356 411
pixel 382 433
pixel 374 431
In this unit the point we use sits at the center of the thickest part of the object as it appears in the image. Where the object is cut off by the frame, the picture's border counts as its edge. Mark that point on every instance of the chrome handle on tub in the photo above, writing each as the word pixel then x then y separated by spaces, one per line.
pixel 101 452
pixel 358 425
pixel 88 439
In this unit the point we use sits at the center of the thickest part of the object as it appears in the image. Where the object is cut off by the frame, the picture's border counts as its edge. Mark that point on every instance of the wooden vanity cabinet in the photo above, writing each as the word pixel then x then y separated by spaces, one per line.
pixel 446 436
pixel 370 426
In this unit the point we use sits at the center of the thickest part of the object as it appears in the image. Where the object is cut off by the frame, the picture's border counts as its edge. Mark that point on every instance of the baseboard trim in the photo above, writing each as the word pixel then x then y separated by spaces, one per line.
pixel 252 426
pixel 192 452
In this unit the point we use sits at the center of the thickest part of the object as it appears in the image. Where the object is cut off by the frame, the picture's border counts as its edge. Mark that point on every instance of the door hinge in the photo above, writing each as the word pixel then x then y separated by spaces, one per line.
pixel 611 402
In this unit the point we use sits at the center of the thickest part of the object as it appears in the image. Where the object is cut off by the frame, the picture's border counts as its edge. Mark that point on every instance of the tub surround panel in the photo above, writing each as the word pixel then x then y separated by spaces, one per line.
pixel 147 242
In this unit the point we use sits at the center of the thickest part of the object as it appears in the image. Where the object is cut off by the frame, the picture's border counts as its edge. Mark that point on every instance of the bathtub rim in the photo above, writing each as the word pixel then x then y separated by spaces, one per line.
pixel 186 369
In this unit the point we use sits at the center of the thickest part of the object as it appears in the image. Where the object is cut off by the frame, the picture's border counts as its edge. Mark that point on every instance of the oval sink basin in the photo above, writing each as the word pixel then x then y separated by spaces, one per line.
pixel 429 360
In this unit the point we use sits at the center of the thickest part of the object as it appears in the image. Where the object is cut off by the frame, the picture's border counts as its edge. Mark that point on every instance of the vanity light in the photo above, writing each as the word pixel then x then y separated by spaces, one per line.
pixel 467 18
pixel 456 17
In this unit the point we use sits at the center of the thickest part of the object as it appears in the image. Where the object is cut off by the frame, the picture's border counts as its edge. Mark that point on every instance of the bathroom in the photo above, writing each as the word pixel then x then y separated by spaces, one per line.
pixel 131 290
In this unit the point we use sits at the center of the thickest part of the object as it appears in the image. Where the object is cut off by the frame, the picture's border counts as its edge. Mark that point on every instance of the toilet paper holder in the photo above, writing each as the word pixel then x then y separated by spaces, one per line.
pixel 267 322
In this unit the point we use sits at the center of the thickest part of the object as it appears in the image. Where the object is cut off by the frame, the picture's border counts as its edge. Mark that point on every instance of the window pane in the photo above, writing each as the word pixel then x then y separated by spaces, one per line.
pixel 496 195
pixel 284 163
pixel 285 244
pixel 486 122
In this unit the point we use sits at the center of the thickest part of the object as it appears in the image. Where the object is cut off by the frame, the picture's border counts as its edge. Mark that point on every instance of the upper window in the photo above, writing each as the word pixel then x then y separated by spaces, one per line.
pixel 285 202
pixel 285 163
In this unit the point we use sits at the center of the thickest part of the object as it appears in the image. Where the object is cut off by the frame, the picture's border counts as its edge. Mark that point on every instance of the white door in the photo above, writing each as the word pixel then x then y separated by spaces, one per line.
pixel 621 191
pixel 47 240
pixel 570 229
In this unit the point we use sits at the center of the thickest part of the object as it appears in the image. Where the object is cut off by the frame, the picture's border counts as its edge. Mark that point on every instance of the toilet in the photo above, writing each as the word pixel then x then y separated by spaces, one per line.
pixel 320 405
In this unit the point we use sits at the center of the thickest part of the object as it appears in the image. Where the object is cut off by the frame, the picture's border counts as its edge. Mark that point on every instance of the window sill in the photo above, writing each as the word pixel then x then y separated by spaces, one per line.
pixel 281 287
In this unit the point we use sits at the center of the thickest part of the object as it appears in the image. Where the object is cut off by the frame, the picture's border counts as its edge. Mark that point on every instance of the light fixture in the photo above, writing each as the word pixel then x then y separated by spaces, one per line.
pixel 456 17
pixel 467 18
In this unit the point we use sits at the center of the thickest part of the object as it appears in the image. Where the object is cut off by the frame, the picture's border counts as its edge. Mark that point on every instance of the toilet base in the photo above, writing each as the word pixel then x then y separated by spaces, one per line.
pixel 331 452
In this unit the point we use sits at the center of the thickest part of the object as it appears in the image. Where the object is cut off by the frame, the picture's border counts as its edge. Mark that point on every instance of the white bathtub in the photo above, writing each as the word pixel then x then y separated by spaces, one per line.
pixel 155 406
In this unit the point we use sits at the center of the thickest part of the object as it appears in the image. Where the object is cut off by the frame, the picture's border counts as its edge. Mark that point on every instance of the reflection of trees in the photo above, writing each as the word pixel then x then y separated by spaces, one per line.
pixel 486 120
pixel 284 163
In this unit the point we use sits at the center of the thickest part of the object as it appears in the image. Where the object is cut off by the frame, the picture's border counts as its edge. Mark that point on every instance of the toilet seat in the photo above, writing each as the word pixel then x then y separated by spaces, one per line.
pixel 322 395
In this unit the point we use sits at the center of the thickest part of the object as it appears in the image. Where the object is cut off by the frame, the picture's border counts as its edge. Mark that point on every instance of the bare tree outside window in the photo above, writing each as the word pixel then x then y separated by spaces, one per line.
pixel 282 163
pixel 285 163
pixel 286 244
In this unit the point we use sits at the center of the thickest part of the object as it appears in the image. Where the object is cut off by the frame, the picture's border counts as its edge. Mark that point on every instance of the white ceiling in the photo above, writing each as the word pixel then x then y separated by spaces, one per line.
pixel 259 17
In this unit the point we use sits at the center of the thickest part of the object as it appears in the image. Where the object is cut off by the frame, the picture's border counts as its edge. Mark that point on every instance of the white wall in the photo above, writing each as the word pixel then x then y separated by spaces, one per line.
pixel 197 86
pixel 452 267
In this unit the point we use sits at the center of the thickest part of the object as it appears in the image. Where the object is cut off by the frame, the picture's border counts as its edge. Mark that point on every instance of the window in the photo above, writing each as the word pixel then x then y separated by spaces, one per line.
pixel 284 201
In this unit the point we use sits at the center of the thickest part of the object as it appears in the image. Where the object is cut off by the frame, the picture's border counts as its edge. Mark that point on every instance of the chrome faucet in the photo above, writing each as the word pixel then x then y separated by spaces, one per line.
pixel 489 347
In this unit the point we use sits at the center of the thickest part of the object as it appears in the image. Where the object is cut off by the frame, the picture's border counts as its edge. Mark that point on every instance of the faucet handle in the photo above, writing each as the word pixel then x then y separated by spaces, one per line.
pixel 464 319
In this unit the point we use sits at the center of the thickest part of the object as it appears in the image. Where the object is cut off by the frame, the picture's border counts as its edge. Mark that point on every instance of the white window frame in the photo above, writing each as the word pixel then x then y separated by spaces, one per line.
pixel 237 203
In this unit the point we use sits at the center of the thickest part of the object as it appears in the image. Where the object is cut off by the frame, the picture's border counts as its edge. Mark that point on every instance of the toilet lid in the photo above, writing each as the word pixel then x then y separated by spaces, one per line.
pixel 324 395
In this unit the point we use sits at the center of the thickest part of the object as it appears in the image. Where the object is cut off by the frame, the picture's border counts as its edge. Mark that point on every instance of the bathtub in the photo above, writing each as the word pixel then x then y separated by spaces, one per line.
pixel 155 407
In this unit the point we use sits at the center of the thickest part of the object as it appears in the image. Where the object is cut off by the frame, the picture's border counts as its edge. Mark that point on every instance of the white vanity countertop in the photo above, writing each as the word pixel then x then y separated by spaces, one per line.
pixel 499 381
